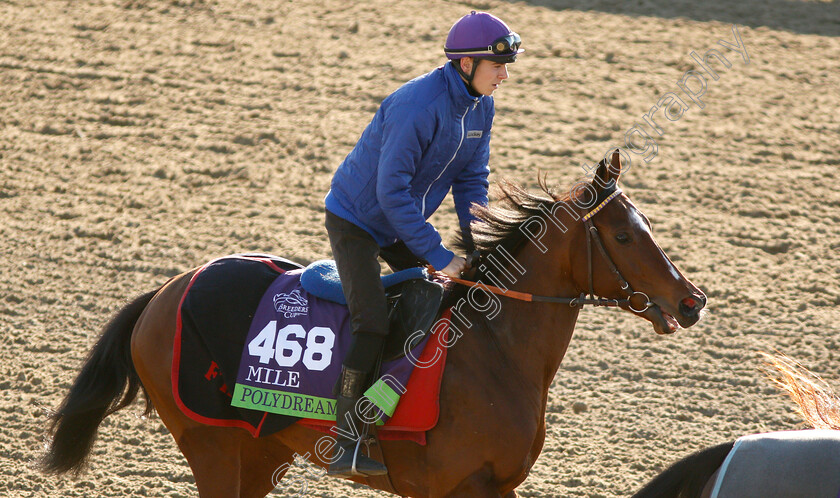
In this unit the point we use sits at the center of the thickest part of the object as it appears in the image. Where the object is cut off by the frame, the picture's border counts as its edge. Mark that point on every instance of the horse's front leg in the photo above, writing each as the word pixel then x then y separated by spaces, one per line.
pixel 478 484
pixel 512 494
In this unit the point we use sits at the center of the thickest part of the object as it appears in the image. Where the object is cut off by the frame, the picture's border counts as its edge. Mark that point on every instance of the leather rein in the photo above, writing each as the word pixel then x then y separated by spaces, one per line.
pixel 593 238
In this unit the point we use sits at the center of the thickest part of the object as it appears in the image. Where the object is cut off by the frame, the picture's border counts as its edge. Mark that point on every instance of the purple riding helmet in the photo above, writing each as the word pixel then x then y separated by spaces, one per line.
pixel 483 36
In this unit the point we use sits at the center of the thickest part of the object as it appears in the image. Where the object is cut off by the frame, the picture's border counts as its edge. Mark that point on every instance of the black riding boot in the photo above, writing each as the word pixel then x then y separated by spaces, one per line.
pixel 352 461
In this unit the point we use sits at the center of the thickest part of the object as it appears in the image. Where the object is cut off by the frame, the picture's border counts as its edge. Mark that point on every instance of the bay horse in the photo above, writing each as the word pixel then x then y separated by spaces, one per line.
pixel 593 240
pixel 784 464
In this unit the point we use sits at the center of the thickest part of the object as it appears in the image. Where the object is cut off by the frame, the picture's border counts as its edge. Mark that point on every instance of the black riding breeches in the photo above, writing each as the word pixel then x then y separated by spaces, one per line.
pixel 355 253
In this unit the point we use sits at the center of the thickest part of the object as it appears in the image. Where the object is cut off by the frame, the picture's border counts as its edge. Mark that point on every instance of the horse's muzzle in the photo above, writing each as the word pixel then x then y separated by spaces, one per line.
pixel 690 309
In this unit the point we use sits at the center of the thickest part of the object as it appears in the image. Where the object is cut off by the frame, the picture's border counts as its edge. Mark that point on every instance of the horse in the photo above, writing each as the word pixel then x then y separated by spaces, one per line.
pixel 782 464
pixel 558 247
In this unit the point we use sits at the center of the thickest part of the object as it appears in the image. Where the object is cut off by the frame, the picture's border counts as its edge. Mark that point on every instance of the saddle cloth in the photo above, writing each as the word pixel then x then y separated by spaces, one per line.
pixel 782 464
pixel 253 308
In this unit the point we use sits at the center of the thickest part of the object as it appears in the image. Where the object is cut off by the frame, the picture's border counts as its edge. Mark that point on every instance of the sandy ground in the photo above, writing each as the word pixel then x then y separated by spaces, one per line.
pixel 141 138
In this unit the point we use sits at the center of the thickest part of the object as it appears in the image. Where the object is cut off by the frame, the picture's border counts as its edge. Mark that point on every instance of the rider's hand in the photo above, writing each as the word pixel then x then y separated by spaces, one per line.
pixel 455 267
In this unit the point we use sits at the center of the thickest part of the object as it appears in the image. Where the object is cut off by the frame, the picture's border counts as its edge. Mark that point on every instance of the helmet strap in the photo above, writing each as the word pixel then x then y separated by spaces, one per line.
pixel 468 77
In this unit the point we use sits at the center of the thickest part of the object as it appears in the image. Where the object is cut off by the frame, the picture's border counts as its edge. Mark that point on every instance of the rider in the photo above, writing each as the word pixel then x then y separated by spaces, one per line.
pixel 430 135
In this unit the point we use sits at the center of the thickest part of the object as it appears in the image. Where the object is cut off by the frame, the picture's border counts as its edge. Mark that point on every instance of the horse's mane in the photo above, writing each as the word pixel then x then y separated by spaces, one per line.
pixel 817 402
pixel 500 221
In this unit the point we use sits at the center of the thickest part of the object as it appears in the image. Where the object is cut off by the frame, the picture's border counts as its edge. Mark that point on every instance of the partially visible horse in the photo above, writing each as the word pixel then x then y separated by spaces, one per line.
pixel 494 390
pixel 786 464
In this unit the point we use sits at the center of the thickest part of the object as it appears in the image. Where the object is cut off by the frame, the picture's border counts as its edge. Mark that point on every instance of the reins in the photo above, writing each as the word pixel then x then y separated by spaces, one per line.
pixel 592 235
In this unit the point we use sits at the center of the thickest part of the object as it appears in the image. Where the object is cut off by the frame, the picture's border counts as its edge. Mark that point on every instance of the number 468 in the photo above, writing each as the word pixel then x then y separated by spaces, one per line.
pixel 287 351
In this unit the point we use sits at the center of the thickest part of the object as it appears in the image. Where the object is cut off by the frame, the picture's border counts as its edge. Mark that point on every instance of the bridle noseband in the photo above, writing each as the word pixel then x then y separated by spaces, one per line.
pixel 592 237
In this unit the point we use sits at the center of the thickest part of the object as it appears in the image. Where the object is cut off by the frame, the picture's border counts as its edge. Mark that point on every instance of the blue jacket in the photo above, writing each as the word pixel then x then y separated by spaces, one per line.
pixel 427 137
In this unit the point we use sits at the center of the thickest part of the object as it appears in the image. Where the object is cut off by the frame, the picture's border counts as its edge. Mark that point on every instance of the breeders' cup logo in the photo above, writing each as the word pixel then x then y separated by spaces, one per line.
pixel 291 304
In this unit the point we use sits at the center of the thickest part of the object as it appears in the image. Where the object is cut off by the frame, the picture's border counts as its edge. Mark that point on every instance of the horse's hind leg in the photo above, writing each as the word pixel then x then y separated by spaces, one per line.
pixel 213 455
pixel 225 461
pixel 229 462
pixel 263 463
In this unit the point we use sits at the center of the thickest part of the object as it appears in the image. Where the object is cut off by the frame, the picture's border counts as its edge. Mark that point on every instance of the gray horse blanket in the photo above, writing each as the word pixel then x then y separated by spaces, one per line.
pixel 788 464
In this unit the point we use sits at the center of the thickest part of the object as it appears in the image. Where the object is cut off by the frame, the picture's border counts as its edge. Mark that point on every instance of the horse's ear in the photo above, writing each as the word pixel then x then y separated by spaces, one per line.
pixel 607 174
pixel 615 164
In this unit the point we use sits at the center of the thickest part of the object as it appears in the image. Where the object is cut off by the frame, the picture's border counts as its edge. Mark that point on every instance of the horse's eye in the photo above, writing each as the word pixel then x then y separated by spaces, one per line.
pixel 623 238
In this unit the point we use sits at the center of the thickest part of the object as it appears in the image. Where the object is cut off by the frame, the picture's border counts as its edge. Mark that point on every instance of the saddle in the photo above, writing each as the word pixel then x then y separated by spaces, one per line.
pixel 413 302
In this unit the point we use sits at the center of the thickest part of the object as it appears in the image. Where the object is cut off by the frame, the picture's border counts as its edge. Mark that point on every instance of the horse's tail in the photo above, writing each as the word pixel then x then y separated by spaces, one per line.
pixel 818 404
pixel 688 477
pixel 106 383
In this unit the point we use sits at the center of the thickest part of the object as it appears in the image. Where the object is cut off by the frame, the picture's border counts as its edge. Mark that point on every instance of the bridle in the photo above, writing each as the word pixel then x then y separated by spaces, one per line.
pixel 593 237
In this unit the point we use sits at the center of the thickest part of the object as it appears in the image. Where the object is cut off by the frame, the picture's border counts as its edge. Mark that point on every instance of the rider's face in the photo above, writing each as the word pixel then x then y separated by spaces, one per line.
pixel 488 76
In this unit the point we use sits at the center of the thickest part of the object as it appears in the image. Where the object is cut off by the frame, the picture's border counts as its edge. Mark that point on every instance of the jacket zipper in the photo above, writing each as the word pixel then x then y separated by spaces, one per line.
pixel 461 142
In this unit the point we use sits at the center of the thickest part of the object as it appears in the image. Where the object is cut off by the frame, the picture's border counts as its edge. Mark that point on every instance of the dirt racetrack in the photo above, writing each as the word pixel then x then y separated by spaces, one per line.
pixel 141 138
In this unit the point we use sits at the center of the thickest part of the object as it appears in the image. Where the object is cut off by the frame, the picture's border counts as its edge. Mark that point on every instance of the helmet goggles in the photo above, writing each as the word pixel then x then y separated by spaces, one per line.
pixel 507 45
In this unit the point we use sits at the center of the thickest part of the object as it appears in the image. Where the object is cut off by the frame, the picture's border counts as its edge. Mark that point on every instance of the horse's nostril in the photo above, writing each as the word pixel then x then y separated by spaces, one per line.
pixel 689 306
